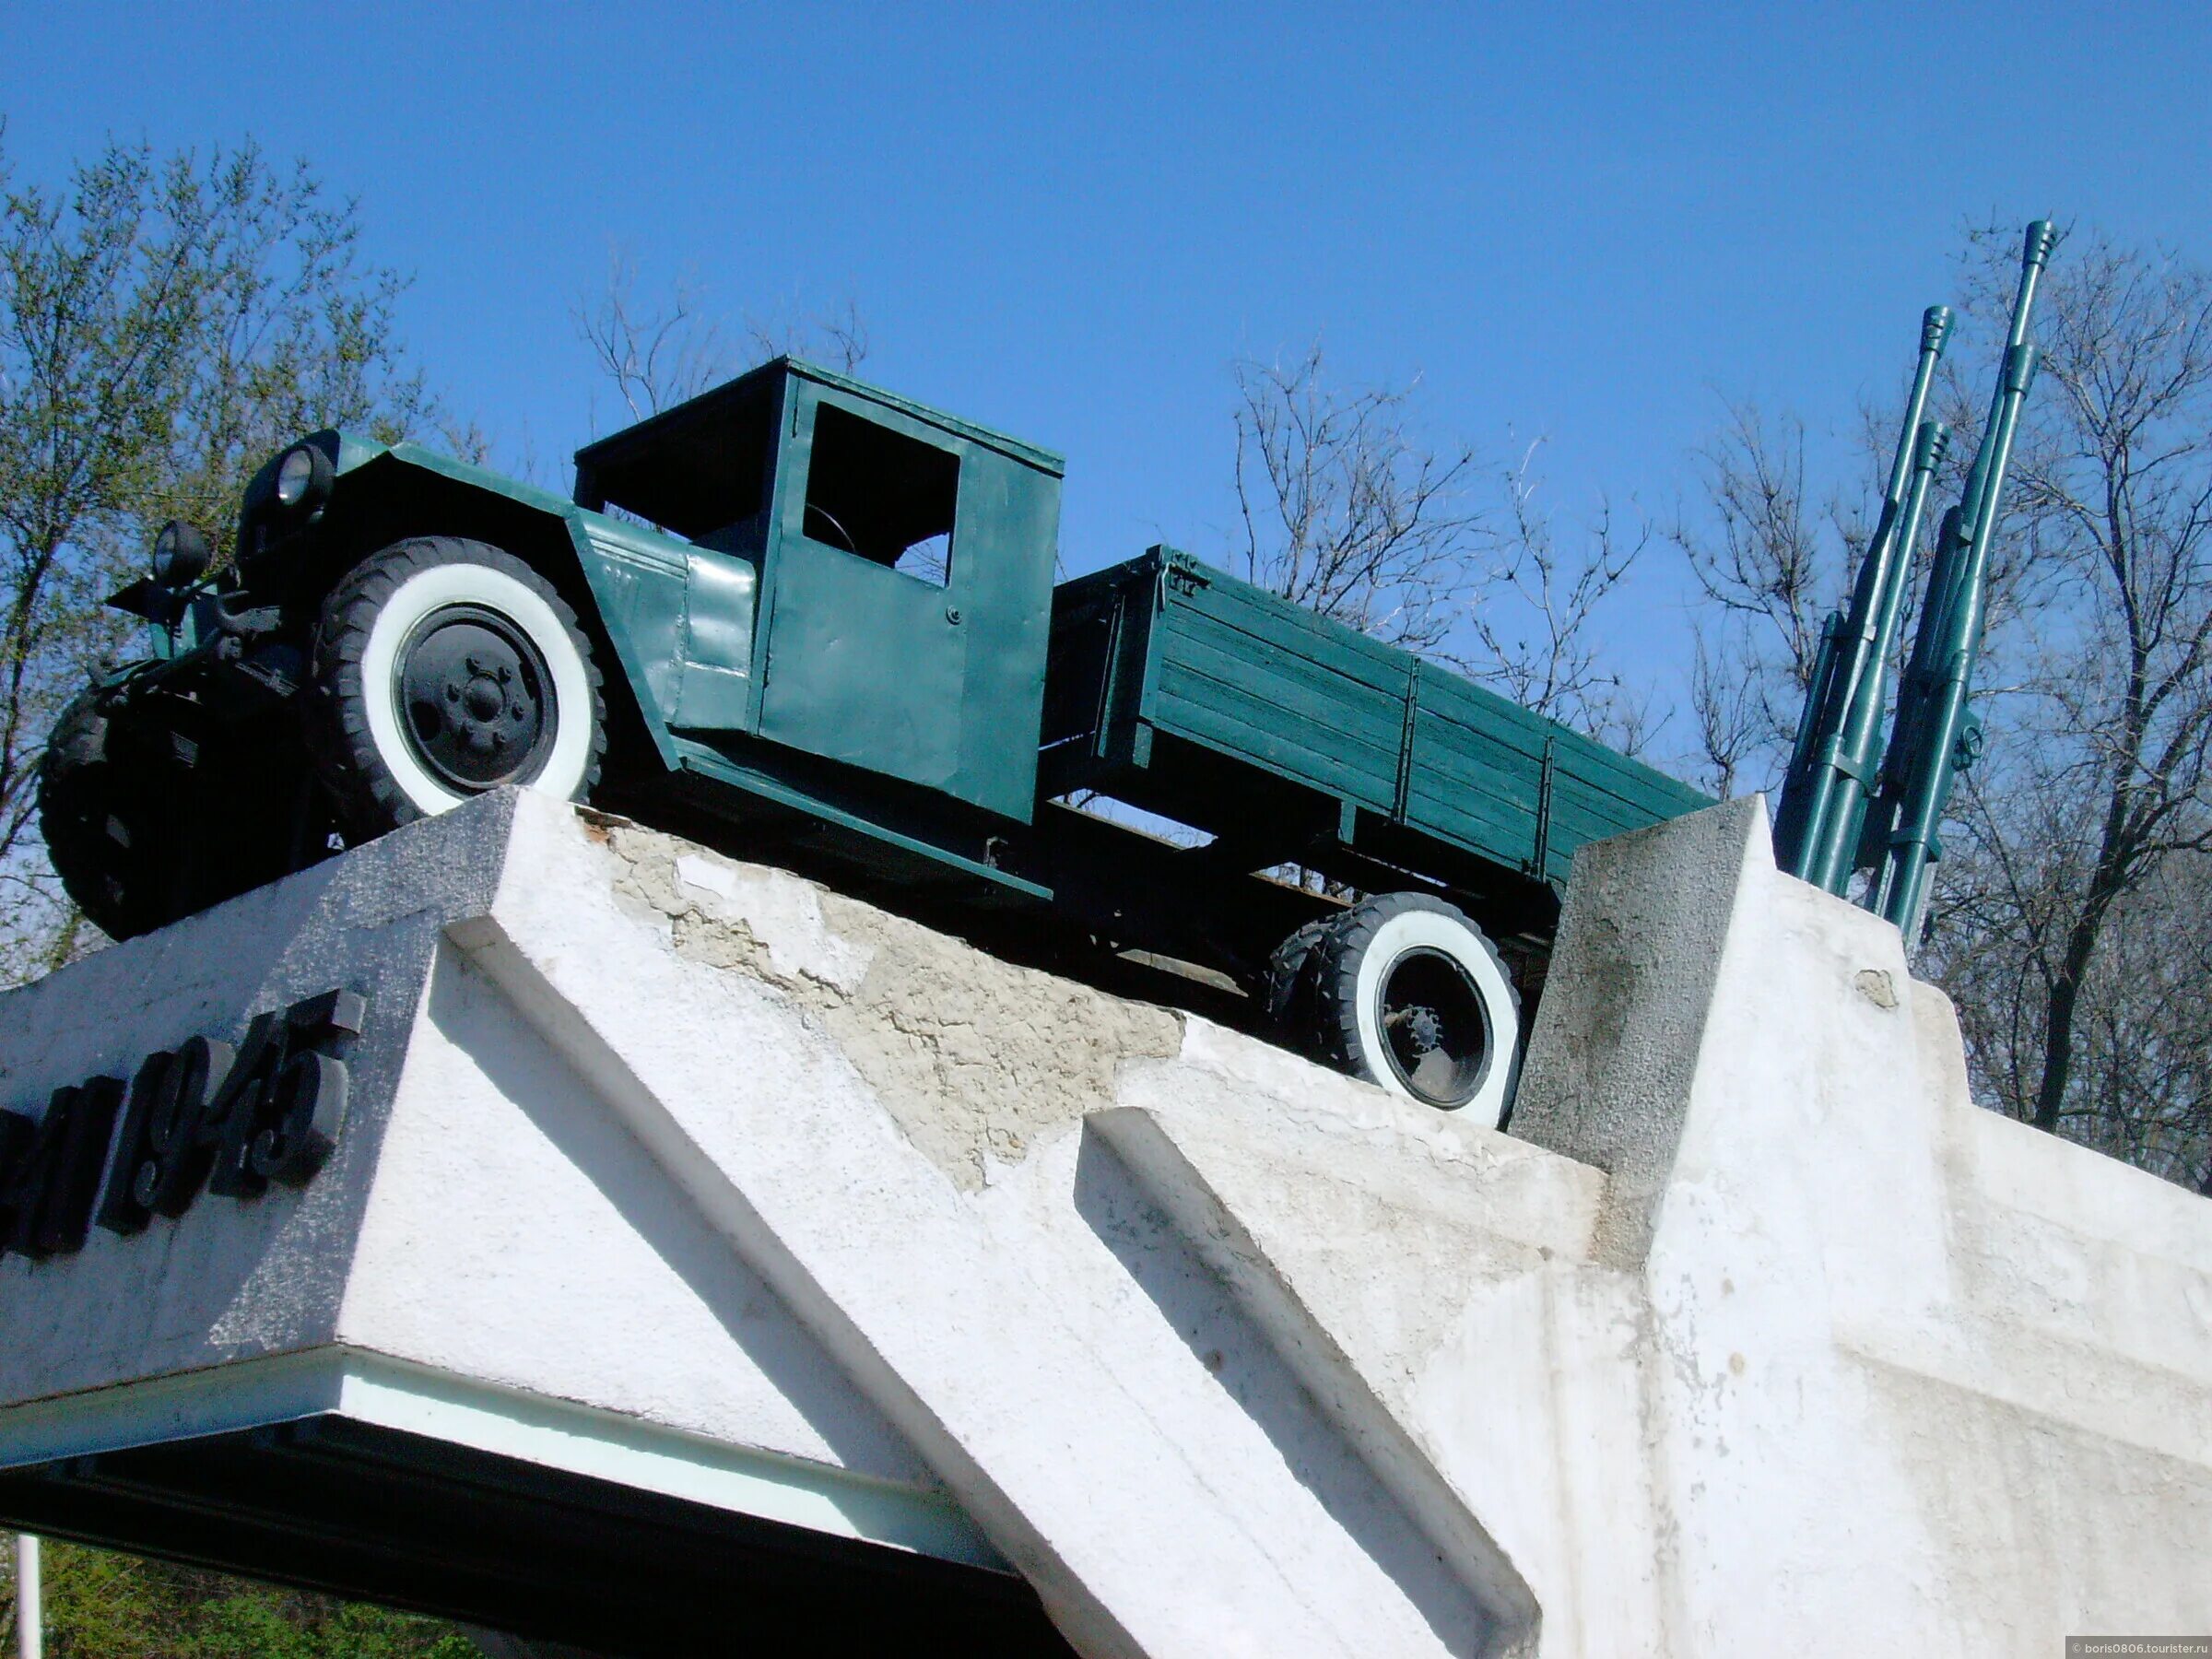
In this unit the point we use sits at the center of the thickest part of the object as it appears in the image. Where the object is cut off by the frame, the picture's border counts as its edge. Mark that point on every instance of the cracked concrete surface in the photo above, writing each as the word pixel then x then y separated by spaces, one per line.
pixel 977 1058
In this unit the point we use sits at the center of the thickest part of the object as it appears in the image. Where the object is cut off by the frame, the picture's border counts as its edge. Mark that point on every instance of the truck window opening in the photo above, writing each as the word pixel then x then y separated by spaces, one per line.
pixel 881 495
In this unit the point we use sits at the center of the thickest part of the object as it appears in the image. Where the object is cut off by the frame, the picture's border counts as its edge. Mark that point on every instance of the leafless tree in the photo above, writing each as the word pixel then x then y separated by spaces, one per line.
pixel 2069 906
pixel 1729 710
pixel 2096 780
pixel 1533 622
pixel 659 352
pixel 1771 558
pixel 2144 1042
pixel 834 336
pixel 656 353
pixel 1347 510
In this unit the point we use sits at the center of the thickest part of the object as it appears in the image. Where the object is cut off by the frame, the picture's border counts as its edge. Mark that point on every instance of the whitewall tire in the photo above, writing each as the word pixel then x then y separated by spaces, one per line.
pixel 1410 994
pixel 445 668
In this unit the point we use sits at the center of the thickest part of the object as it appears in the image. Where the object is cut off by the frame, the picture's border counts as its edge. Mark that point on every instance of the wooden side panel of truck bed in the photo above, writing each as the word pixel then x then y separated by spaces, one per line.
pixel 1165 647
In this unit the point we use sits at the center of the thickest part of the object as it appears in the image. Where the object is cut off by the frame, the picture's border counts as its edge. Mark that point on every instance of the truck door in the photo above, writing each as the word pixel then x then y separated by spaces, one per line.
pixel 868 635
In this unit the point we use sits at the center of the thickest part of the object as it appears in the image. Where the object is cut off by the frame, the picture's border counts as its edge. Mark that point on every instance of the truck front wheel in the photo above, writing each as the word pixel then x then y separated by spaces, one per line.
pixel 113 849
pixel 150 811
pixel 1408 994
pixel 445 668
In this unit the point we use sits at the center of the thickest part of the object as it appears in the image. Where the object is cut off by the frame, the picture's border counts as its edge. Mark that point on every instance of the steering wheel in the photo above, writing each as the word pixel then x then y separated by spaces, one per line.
pixel 818 519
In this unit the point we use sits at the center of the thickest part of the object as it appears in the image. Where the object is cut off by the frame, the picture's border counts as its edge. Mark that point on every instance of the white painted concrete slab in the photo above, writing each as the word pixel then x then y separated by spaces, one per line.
pixel 1753 1337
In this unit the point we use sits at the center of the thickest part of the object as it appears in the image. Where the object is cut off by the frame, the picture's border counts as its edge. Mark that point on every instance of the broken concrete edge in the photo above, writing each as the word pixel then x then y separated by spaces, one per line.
pixel 1003 1054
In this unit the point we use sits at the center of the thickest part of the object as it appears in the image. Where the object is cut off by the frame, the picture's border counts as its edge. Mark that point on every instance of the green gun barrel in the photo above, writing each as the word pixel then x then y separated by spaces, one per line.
pixel 1934 727
pixel 1845 673
pixel 1836 837
pixel 1939 604
pixel 1943 578
pixel 1943 749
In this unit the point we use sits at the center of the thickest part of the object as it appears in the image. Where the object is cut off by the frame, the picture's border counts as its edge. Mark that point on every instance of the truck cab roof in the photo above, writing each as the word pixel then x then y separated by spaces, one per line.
pixel 708 462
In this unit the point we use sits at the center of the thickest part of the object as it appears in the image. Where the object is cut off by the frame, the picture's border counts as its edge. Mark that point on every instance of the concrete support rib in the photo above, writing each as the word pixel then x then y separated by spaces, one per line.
pixel 543 988
pixel 1613 1057
pixel 1072 1472
pixel 1171 1156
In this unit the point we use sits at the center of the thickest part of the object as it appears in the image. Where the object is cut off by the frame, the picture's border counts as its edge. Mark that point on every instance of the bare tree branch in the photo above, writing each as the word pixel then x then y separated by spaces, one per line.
pixel 658 353
pixel 1345 511
pixel 1535 623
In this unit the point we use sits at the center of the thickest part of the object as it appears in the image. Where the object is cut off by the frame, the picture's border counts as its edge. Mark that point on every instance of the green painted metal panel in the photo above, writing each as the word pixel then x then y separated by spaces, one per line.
pixel 1010 523
pixel 1367 717
pixel 1034 457
pixel 637 577
pixel 1262 681
pixel 705 762
pixel 1317 725
pixel 870 664
pixel 716 689
pixel 636 580
pixel 1242 722
pixel 1257 678
pixel 861 663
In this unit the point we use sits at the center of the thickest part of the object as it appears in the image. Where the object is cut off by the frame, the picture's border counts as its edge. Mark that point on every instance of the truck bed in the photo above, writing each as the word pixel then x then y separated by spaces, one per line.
pixel 1183 690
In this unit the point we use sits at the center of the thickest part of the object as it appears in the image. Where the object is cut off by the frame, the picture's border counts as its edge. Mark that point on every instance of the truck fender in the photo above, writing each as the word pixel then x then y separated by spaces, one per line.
pixel 628 591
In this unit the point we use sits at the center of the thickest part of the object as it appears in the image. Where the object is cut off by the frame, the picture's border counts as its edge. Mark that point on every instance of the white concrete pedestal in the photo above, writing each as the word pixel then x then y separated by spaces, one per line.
pixel 701 1246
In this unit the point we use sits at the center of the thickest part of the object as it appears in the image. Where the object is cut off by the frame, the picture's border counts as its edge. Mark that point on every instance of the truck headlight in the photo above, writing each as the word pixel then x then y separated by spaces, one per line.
pixel 180 555
pixel 302 477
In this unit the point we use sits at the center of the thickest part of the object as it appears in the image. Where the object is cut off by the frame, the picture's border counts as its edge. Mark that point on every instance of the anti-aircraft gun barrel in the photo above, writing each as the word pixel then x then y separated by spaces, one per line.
pixel 1836 836
pixel 1952 549
pixel 1828 780
pixel 1934 734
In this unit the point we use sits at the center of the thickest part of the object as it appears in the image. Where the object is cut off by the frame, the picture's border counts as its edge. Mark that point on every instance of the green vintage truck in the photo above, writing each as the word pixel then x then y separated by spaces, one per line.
pixel 813 622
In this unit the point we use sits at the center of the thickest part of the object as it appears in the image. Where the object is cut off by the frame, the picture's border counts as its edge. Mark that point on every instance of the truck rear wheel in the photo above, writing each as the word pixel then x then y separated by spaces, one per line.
pixel 1289 980
pixel 1408 994
pixel 445 668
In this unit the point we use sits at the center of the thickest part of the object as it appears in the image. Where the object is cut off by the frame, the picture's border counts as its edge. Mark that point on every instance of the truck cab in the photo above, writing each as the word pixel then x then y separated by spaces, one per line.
pixel 869 581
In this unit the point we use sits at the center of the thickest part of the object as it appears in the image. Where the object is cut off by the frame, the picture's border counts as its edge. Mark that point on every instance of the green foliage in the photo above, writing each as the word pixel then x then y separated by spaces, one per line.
pixel 165 324
pixel 104 1606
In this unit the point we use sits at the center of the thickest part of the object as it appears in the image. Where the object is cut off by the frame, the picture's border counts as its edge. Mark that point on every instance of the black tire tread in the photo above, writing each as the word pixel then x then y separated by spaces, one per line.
pixel 369 799
pixel 76 794
pixel 195 832
pixel 1289 980
pixel 1335 1014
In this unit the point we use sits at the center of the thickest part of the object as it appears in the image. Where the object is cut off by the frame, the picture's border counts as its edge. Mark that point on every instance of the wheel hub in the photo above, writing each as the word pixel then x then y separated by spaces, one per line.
pixel 1436 1033
pixel 478 698
pixel 1424 1030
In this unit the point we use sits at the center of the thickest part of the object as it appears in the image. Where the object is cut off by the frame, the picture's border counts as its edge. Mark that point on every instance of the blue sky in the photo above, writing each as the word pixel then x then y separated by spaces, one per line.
pixel 1590 224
